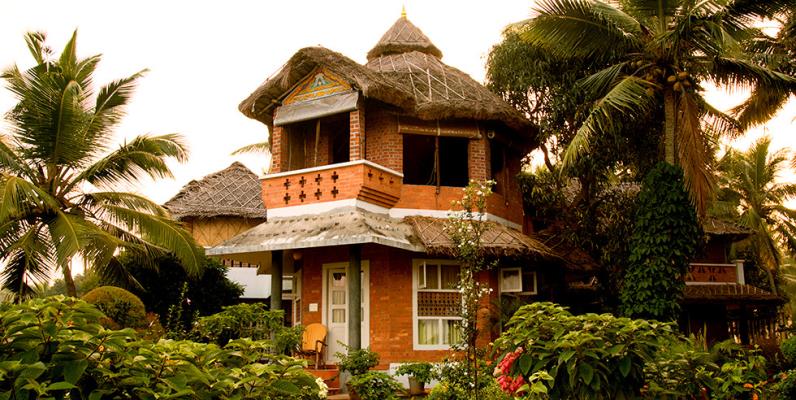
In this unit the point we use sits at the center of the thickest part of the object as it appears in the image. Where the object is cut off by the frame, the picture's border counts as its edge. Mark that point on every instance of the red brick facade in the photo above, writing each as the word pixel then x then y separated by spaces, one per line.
pixel 374 137
pixel 390 293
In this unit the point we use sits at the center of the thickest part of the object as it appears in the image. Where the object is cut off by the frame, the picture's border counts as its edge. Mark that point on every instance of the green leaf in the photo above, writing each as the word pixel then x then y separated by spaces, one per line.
pixel 624 365
pixel 74 370
pixel 525 362
pixel 586 372
pixel 61 386
pixel 286 387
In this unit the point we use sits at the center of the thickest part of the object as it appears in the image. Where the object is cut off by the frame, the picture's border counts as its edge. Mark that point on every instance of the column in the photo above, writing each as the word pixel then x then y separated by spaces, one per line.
pixel 276 279
pixel 354 275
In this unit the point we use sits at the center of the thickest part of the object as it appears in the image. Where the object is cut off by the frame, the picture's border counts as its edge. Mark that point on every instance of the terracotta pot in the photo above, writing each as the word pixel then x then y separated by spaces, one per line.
pixel 330 376
pixel 416 387
pixel 352 394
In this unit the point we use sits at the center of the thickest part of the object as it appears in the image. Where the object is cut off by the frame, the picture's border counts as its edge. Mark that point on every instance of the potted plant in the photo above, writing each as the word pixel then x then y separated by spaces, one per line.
pixel 356 362
pixel 419 374
pixel 374 385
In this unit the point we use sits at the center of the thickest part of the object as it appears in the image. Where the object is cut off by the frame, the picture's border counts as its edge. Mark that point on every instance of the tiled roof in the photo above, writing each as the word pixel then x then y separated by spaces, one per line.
pixel 727 293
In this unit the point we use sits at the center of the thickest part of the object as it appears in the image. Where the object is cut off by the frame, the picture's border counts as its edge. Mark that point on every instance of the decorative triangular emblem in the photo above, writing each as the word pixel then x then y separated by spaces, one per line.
pixel 319 83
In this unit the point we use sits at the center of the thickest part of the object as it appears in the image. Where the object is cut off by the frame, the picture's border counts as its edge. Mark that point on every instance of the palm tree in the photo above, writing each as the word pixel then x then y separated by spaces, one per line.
pixel 751 189
pixel 58 171
pixel 656 53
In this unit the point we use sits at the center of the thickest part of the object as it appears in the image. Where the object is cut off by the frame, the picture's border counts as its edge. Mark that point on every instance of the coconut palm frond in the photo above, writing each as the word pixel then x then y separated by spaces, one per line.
pixel 567 28
pixel 694 153
pixel 262 147
pixel 163 232
pixel 628 97
pixel 143 156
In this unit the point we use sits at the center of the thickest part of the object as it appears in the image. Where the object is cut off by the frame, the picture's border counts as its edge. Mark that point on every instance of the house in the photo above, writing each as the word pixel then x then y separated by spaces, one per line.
pixel 718 303
pixel 366 161
pixel 218 207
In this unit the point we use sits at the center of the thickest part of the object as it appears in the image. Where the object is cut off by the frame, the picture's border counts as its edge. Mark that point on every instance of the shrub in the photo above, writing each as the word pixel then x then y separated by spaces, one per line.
pixel 253 321
pixel 421 371
pixel 375 385
pixel 788 349
pixel 786 387
pixel 545 349
pixel 357 362
pixel 124 309
pixel 56 348
pixel 161 287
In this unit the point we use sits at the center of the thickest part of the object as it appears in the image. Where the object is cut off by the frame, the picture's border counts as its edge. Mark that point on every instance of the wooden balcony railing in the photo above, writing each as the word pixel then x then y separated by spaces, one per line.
pixel 361 180
pixel 701 273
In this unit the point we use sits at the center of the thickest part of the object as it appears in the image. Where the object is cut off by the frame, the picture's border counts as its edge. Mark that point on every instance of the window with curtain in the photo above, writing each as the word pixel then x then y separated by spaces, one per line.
pixel 437 304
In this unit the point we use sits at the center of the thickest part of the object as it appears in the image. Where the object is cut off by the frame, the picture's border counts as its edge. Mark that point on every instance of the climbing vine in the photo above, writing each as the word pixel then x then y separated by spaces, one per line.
pixel 665 237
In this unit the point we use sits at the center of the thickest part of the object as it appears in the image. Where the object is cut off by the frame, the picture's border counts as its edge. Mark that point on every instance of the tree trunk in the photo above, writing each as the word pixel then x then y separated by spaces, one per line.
pixel 71 289
pixel 670 125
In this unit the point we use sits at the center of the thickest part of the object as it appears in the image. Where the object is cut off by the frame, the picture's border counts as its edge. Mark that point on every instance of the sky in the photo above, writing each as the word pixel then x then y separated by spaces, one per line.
pixel 205 57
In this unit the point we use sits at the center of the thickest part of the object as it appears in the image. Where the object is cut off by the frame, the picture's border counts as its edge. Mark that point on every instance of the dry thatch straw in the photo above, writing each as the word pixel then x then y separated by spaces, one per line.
pixel 403 37
pixel 404 70
pixel 496 241
pixel 260 104
pixel 232 192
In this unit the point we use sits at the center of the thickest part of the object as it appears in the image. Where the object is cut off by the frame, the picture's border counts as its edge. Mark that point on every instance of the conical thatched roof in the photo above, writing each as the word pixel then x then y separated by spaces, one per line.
pixel 231 192
pixel 404 70
pixel 403 37
pixel 443 92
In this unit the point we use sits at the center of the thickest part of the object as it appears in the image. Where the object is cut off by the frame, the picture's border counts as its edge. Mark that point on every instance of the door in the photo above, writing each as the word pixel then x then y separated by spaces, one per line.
pixel 336 311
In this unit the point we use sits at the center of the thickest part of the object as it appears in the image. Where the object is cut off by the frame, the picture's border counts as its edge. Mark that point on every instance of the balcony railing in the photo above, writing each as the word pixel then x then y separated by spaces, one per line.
pixel 360 180
pixel 707 273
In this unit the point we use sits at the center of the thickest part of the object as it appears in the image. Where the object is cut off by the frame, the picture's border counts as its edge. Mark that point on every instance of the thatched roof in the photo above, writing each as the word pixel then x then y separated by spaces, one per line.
pixel 403 37
pixel 443 92
pixel 497 240
pixel 728 293
pixel 260 104
pixel 231 192
pixel 334 228
pixel 351 225
pixel 404 70
pixel 719 227
pixel 575 258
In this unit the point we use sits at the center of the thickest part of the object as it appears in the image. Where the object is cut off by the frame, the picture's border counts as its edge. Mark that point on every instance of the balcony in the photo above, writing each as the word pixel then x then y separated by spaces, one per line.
pixel 707 273
pixel 355 180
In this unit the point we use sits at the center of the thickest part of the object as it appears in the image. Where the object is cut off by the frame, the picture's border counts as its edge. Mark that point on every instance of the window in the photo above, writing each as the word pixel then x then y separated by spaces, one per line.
pixel 316 142
pixel 516 280
pixel 297 298
pixel 435 160
pixel 437 304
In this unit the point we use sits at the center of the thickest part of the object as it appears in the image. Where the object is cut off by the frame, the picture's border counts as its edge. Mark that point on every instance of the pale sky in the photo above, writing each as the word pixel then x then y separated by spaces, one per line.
pixel 205 57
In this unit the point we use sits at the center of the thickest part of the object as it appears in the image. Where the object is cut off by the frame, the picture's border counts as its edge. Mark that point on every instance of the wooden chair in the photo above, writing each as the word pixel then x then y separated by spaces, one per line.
pixel 313 342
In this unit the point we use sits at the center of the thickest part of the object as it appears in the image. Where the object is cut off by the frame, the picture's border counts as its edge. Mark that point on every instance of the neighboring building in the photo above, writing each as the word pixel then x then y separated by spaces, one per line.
pixel 218 207
pixel 718 303
pixel 366 161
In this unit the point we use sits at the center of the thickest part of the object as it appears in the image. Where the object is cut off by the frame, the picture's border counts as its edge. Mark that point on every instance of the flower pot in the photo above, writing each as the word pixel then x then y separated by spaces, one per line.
pixel 416 387
pixel 352 394
pixel 330 376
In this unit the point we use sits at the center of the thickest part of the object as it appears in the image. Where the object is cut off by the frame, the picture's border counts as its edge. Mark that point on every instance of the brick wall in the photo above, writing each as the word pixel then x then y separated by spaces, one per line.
pixel 390 300
pixel 478 162
pixel 384 145
pixel 277 138
pixel 357 136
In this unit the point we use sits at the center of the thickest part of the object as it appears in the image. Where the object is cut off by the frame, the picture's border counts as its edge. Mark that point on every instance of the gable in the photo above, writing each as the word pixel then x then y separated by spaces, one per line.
pixel 319 83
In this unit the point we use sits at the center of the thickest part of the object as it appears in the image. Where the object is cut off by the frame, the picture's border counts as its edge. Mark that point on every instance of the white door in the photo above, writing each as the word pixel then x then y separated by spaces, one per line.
pixel 336 311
